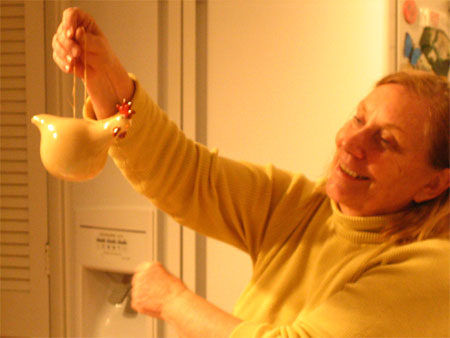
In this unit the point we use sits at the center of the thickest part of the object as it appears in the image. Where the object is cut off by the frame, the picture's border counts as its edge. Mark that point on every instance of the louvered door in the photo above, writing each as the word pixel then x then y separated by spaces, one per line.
pixel 23 278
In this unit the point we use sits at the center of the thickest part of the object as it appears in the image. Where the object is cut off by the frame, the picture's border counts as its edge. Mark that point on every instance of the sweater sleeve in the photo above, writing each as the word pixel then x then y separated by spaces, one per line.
pixel 405 295
pixel 228 200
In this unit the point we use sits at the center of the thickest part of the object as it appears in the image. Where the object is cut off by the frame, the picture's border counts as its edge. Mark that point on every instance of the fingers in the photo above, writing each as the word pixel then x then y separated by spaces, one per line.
pixel 69 40
pixel 142 267
pixel 95 44
pixel 69 21
pixel 141 294
pixel 141 273
pixel 61 55
pixel 65 49
pixel 73 19
pixel 153 287
pixel 147 271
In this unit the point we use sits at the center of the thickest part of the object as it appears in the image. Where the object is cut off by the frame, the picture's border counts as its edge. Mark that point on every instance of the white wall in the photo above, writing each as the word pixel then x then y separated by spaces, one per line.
pixel 282 76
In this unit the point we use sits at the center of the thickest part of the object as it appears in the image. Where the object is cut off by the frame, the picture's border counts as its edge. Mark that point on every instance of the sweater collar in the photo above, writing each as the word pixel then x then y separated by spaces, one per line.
pixel 361 229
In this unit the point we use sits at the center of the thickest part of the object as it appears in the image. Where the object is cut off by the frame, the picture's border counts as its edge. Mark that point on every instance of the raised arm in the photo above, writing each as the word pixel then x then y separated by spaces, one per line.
pixel 218 197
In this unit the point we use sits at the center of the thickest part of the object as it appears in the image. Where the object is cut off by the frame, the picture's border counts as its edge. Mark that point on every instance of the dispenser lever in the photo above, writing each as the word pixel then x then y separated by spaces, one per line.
pixel 119 292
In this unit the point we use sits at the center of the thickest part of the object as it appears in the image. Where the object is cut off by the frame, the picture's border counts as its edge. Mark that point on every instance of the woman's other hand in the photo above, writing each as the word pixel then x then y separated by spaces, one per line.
pixel 159 294
pixel 154 288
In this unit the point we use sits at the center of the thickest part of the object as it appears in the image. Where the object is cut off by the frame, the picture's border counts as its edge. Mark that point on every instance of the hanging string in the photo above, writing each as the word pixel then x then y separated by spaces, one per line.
pixel 85 64
pixel 74 85
pixel 74 91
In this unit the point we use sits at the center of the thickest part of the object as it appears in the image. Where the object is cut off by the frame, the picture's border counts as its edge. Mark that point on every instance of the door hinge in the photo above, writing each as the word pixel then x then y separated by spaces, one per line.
pixel 47 259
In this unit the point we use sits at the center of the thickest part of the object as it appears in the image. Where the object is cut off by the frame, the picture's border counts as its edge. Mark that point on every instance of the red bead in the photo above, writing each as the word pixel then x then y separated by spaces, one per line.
pixel 125 109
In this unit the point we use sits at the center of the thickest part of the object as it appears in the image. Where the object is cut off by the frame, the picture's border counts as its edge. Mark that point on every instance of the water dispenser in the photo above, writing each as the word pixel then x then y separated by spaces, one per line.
pixel 110 243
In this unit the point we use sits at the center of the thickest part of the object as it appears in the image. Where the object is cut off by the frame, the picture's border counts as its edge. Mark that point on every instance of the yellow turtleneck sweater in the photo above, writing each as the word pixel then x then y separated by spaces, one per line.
pixel 317 272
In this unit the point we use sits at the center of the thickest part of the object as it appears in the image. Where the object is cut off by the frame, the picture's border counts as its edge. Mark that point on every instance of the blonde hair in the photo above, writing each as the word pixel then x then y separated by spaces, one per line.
pixel 431 218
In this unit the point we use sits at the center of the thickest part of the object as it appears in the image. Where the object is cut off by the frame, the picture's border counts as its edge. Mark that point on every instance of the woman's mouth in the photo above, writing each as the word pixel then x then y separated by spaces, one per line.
pixel 352 173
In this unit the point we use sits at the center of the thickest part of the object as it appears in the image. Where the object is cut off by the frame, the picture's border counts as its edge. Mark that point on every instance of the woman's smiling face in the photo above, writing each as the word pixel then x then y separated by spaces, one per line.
pixel 381 164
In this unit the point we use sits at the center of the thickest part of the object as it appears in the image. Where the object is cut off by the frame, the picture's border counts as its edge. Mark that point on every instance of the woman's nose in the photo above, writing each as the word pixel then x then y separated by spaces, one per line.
pixel 354 143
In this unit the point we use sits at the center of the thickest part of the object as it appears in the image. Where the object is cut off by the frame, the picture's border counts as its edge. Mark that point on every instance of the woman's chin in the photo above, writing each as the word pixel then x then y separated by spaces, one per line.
pixel 340 194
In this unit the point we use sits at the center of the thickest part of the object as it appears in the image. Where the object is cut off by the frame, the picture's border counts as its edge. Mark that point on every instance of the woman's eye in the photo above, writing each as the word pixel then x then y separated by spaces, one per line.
pixel 385 141
pixel 357 119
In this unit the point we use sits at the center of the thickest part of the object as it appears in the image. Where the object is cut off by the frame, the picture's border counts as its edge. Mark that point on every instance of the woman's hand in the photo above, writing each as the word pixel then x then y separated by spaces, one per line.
pixel 79 41
pixel 159 294
pixel 154 288
pixel 69 41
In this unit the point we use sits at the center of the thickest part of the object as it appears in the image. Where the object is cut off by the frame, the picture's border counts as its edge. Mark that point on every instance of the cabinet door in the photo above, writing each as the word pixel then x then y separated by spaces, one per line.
pixel 23 195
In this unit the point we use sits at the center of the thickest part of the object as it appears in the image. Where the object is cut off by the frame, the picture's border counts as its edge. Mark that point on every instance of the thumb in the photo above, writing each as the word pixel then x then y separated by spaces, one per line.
pixel 142 267
pixel 92 42
pixel 73 18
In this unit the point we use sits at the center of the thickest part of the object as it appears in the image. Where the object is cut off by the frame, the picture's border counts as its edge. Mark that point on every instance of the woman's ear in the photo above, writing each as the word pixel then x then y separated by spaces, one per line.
pixel 438 183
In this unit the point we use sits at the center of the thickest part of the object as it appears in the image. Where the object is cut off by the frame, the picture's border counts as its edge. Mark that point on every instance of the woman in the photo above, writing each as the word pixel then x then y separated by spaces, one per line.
pixel 363 254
